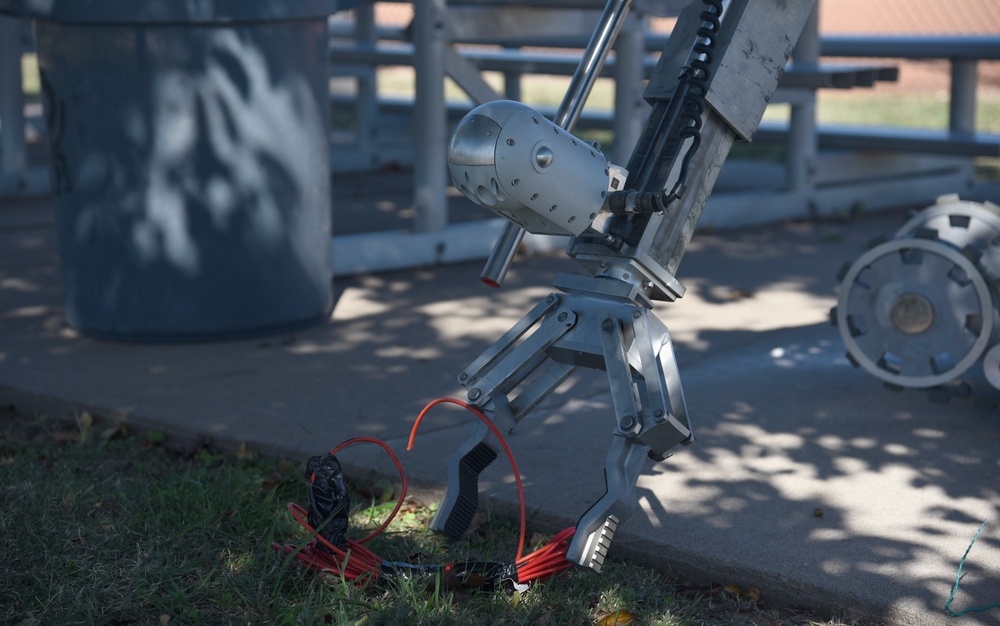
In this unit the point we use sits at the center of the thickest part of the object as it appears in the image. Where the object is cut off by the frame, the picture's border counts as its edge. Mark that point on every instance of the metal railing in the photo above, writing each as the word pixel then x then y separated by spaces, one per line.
pixel 810 186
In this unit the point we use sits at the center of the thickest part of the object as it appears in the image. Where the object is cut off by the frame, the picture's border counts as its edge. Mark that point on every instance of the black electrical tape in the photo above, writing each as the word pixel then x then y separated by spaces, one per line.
pixel 486 575
pixel 329 502
pixel 470 575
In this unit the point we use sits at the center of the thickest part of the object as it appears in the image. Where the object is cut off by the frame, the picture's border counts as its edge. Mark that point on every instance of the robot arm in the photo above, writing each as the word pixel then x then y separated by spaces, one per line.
pixel 628 226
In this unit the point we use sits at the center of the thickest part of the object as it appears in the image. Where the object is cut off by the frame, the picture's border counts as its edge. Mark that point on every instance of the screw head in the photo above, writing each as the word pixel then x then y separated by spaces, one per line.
pixel 627 422
pixel 475 393
pixel 544 156
pixel 562 316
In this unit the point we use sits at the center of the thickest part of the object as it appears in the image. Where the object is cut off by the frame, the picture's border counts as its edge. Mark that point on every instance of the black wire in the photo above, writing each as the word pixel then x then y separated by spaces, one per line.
pixel 692 87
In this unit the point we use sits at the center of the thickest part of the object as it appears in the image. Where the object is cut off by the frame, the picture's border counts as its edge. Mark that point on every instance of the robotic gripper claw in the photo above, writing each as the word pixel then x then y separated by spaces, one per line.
pixel 591 329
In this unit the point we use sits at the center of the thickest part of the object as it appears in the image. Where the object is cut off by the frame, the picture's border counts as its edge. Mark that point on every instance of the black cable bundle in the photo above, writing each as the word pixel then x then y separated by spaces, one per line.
pixel 329 502
pixel 470 575
pixel 682 120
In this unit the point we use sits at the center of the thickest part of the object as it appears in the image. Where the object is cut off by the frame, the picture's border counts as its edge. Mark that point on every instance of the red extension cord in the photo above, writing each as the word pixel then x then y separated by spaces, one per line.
pixel 361 566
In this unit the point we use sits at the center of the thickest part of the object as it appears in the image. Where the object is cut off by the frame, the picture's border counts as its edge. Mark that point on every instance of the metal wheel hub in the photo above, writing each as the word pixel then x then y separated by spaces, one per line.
pixel 912 313
pixel 915 312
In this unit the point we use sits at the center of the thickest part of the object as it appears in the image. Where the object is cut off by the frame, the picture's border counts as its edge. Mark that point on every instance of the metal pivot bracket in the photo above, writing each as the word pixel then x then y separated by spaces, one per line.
pixel 596 328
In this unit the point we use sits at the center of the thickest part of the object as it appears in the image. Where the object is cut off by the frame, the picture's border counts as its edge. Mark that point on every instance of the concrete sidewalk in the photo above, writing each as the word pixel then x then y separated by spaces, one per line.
pixel 808 480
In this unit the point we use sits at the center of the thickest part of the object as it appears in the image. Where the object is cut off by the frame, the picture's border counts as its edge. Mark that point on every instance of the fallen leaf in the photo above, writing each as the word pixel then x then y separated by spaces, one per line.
pixel 85 422
pixel 65 436
pixel 413 505
pixel 245 452
pixel 754 595
pixel 732 590
pixel 267 484
pixel 621 617
pixel 164 619
pixel 118 430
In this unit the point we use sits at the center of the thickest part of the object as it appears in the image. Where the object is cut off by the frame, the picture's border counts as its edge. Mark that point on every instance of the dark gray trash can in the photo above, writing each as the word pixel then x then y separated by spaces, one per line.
pixel 190 163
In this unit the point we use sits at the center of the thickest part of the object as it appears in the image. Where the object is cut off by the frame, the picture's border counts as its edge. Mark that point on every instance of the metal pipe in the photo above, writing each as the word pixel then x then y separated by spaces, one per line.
pixel 802 144
pixel 13 154
pixel 590 65
pixel 503 255
pixel 366 104
pixel 630 108
pixel 431 134
pixel 567 116
pixel 962 106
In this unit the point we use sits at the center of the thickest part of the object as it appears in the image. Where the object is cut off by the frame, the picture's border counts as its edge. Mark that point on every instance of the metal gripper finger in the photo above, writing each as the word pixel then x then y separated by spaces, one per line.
pixel 461 496
pixel 597 527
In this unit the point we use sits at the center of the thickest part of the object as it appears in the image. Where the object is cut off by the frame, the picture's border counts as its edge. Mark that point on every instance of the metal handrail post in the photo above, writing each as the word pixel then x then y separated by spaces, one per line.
pixel 962 103
pixel 430 132
pixel 802 144
pixel 630 108
pixel 366 106
pixel 13 154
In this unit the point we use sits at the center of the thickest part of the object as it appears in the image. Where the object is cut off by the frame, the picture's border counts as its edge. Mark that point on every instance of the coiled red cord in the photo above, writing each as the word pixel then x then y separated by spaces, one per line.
pixel 360 565
pixel 357 562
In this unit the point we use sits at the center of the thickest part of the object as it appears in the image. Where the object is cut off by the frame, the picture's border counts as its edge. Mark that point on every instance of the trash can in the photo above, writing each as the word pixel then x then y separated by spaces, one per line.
pixel 189 163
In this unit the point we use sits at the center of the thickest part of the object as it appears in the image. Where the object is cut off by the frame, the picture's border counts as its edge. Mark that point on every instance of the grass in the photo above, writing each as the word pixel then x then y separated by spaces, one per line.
pixel 30 80
pixel 102 527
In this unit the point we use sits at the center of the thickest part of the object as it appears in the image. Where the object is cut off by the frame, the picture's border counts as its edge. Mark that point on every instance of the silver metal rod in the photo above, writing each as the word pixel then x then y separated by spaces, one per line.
pixel 502 255
pixel 590 65
pixel 567 116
